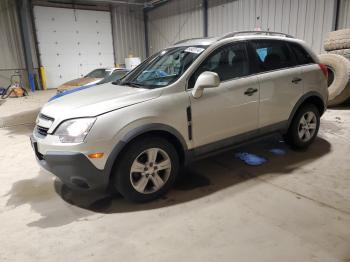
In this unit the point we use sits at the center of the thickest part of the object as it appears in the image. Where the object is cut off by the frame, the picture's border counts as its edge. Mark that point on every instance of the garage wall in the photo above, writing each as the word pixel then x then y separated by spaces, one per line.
pixel 310 20
pixel 344 14
pixel 128 32
pixel 11 55
pixel 174 21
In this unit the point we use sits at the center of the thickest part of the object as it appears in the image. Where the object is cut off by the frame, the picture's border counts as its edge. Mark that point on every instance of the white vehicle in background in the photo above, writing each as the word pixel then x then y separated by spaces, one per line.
pixel 95 77
pixel 193 99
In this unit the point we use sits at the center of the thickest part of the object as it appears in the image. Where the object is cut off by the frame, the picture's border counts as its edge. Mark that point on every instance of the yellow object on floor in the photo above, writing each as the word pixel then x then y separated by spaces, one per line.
pixel 43 77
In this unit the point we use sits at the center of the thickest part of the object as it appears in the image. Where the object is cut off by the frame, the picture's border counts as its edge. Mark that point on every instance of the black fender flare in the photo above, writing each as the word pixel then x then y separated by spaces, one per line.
pixel 137 132
pixel 301 100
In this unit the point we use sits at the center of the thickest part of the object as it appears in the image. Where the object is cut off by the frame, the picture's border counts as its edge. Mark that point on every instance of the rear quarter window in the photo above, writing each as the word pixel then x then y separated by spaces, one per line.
pixel 272 55
pixel 301 55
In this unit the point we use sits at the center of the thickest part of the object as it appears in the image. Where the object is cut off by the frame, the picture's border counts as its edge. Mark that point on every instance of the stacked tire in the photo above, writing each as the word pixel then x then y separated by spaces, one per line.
pixel 337 60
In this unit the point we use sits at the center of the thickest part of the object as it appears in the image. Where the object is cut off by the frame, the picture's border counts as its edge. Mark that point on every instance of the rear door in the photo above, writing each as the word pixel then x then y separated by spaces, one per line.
pixel 280 79
pixel 310 70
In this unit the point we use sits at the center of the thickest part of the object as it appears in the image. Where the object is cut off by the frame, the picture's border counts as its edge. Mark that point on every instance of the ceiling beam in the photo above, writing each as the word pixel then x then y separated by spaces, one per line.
pixel 118 2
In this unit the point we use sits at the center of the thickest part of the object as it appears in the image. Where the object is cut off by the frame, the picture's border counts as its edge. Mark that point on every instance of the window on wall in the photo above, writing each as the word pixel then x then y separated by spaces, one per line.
pixel 229 62
pixel 272 55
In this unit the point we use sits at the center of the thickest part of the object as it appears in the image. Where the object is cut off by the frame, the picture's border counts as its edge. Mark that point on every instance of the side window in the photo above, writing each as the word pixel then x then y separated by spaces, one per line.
pixel 272 55
pixel 302 56
pixel 229 62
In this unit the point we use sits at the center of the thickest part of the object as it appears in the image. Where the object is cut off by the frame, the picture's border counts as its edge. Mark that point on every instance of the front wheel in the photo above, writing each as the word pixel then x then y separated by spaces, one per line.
pixel 147 169
pixel 304 127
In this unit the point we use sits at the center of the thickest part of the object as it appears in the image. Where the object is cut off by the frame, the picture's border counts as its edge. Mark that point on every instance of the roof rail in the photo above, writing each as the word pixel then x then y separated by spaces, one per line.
pixel 236 33
pixel 189 39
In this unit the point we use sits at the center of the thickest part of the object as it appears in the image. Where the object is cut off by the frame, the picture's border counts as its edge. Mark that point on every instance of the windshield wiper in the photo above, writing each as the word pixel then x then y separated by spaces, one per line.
pixel 118 82
pixel 133 84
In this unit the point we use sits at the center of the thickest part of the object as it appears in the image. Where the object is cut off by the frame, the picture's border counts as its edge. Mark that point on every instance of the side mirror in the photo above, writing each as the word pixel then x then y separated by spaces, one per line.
pixel 206 79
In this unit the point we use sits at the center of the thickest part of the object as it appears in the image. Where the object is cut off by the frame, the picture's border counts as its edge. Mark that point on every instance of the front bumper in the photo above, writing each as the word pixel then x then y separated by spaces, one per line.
pixel 73 169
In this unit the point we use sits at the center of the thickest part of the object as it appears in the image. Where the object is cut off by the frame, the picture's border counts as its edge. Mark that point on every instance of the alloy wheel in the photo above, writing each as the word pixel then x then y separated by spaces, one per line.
pixel 150 170
pixel 307 126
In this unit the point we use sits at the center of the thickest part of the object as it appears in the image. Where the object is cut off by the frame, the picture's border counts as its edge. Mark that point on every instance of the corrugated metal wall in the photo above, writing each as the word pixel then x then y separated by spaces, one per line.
pixel 344 14
pixel 181 19
pixel 11 55
pixel 174 21
pixel 310 20
pixel 128 33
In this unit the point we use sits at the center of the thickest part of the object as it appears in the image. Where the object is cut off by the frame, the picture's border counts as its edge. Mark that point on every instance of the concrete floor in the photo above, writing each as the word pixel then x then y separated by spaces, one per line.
pixel 295 207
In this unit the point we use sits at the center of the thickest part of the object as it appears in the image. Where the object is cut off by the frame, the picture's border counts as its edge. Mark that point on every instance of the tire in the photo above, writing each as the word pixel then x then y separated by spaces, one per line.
pixel 340 68
pixel 342 98
pixel 336 40
pixel 141 186
pixel 342 52
pixel 293 137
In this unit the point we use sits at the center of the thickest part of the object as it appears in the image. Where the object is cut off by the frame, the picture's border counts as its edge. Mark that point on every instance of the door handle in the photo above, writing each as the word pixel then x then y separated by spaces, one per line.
pixel 296 80
pixel 250 91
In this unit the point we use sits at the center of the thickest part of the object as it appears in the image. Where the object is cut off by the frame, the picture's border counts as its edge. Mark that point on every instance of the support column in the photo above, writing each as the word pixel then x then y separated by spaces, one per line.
pixel 24 18
pixel 145 22
pixel 336 14
pixel 205 18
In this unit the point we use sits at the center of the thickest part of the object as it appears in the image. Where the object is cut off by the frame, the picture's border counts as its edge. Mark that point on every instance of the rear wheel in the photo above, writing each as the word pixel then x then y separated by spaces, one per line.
pixel 147 169
pixel 304 127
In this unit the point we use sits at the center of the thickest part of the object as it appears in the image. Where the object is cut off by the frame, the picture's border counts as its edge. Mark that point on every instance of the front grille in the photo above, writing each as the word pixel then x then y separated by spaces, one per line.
pixel 46 117
pixel 44 122
pixel 41 130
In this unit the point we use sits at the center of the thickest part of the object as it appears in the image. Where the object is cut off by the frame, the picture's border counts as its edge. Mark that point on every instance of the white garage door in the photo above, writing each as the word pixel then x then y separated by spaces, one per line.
pixel 72 42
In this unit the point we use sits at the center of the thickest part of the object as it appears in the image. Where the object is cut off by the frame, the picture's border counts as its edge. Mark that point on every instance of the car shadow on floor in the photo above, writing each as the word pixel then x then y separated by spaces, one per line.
pixel 207 176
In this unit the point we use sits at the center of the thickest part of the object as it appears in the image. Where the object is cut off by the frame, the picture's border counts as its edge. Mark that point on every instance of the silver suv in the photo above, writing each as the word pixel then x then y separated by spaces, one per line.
pixel 196 98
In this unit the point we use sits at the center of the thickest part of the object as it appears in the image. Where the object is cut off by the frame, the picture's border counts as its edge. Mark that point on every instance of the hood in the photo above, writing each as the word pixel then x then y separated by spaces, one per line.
pixel 96 100
pixel 77 82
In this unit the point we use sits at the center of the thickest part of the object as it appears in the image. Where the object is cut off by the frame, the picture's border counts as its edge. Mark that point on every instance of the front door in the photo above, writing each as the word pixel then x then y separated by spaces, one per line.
pixel 231 108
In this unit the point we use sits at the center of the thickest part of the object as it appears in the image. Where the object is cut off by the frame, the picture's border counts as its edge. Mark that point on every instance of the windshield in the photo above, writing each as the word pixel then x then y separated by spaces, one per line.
pixel 98 73
pixel 163 68
pixel 116 75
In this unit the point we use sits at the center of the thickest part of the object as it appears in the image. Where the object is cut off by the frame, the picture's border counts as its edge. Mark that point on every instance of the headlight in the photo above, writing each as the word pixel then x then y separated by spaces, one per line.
pixel 75 130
